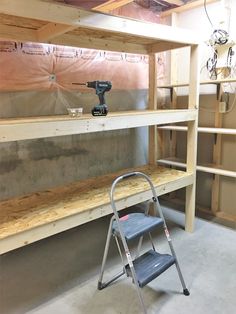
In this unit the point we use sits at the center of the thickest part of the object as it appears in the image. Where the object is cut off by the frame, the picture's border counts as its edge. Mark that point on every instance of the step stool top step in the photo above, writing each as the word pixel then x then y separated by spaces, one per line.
pixel 136 224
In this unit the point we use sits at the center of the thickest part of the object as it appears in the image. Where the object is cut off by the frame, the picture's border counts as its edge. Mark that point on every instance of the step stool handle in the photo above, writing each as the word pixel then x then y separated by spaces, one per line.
pixel 128 175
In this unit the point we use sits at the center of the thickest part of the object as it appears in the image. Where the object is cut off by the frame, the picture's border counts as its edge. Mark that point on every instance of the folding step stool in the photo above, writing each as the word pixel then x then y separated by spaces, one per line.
pixel 151 264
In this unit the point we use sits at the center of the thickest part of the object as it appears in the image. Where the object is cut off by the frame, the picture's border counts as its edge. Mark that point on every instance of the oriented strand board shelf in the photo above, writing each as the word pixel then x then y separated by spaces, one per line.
pixel 30 218
pixel 40 127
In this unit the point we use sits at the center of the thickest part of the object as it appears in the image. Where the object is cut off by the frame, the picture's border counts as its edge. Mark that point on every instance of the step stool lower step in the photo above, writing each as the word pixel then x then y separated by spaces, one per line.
pixel 149 266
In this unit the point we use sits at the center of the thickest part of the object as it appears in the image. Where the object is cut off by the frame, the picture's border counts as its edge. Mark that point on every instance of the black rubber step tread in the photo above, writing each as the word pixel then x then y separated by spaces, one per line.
pixel 136 224
pixel 150 265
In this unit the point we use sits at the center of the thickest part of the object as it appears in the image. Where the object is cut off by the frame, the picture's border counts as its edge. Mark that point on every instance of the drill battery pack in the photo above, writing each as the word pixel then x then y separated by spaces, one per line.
pixel 100 110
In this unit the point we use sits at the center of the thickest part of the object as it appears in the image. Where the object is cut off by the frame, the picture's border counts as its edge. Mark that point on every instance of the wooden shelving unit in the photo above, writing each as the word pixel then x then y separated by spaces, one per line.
pixel 30 218
pixel 218 131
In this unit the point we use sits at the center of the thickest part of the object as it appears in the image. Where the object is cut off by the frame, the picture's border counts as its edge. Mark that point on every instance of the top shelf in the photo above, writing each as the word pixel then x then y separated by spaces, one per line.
pixel 15 129
pixel 207 82
pixel 56 23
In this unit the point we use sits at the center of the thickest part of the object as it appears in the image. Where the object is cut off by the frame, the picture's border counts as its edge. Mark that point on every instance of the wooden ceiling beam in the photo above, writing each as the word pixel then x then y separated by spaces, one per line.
pixel 186 7
pixel 14 33
pixel 176 2
pixel 98 43
pixel 164 46
pixel 111 5
pixel 52 30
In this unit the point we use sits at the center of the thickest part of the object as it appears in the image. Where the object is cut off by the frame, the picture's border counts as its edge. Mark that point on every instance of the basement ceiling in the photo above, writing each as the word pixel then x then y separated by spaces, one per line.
pixel 154 5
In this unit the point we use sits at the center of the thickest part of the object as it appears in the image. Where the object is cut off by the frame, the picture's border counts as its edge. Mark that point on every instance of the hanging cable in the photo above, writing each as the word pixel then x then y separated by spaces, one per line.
pixel 207 14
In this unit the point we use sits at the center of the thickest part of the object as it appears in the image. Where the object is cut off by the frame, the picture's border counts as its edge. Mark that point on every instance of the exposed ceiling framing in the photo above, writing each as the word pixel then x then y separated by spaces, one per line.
pixel 55 23
pixel 52 30
pixel 111 5
pixel 188 6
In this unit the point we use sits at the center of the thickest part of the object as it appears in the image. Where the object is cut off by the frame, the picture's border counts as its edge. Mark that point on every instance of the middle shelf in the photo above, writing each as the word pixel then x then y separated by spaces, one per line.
pixel 15 129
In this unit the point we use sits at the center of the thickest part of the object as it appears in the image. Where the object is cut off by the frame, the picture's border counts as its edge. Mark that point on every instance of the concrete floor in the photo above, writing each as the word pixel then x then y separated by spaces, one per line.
pixel 59 274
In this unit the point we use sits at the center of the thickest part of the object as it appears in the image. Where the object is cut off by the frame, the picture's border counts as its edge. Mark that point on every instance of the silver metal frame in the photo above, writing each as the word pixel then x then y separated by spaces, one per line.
pixel 115 217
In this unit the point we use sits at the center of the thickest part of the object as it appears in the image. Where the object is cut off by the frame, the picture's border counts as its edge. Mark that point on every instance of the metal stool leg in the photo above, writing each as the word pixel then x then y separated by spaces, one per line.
pixel 158 208
pixel 102 285
pixel 185 290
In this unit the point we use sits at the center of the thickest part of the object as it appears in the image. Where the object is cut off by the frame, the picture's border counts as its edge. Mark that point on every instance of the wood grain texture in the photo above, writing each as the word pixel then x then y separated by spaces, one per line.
pixel 35 14
pixel 40 127
pixel 28 212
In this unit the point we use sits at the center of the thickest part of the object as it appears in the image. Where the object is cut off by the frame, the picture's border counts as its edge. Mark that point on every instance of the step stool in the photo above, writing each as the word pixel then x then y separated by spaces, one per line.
pixel 145 268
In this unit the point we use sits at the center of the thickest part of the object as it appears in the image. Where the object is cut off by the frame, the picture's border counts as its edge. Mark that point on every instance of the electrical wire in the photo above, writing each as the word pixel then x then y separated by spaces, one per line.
pixel 233 103
pixel 207 14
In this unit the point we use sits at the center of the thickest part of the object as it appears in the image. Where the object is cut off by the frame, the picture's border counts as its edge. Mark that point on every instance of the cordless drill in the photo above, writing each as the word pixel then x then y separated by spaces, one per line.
pixel 101 87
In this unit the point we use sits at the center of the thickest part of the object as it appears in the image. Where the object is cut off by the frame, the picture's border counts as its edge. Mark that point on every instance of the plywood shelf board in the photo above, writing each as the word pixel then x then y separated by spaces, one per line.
pixel 88 199
pixel 200 129
pixel 40 127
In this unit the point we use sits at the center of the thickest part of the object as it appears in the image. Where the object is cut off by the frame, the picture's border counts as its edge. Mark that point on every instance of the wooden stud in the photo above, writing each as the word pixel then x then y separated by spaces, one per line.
pixel 152 105
pixel 173 80
pixel 192 138
pixel 217 156
pixel 173 92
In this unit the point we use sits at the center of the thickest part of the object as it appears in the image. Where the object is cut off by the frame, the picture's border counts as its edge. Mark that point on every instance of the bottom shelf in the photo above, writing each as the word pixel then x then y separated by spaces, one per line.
pixel 27 219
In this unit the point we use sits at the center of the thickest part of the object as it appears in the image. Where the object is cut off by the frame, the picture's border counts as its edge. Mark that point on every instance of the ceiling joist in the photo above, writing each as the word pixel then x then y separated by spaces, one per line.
pixel 175 2
pixel 52 30
pixel 28 35
pixel 111 5
pixel 186 7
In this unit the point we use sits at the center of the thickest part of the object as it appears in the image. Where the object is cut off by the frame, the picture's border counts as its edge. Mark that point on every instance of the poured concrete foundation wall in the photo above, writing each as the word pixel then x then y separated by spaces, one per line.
pixel 33 165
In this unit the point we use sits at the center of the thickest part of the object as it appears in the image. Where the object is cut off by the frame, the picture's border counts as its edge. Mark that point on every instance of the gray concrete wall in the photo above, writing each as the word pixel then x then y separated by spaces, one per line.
pixel 33 165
